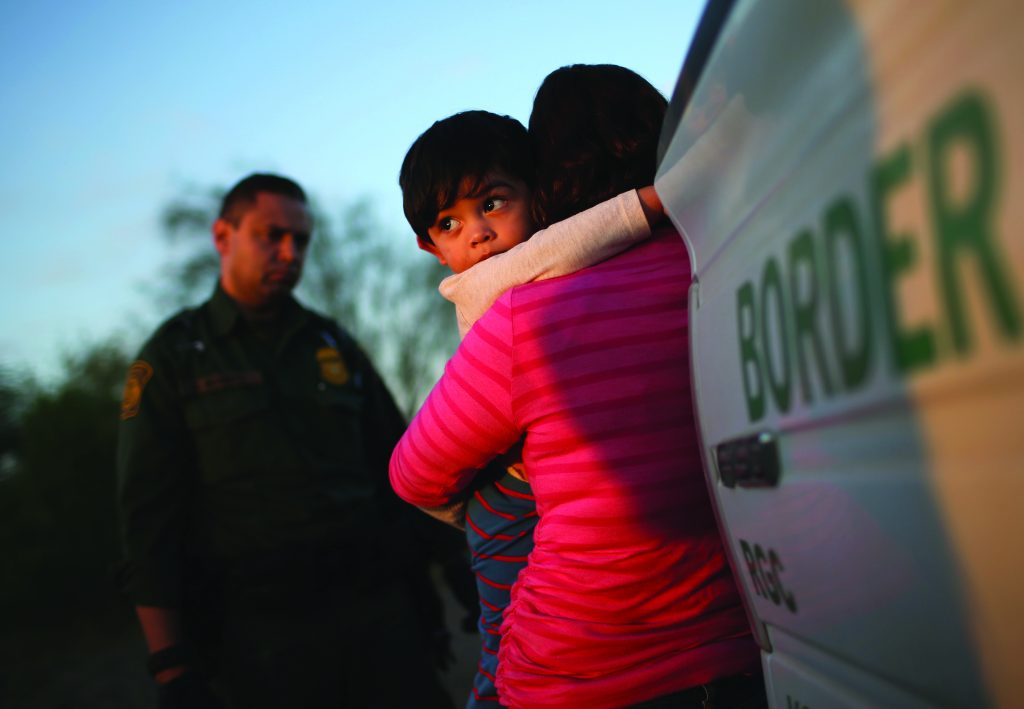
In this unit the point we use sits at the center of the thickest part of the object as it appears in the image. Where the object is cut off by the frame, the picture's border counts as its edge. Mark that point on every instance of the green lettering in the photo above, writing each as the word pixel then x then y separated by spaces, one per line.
pixel 910 349
pixel 805 312
pixel 779 382
pixel 967 227
pixel 752 569
pixel 777 569
pixel 854 354
pixel 772 582
pixel 750 363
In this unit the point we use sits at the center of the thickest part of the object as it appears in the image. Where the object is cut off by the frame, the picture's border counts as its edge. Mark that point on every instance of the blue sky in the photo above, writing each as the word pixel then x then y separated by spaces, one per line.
pixel 110 109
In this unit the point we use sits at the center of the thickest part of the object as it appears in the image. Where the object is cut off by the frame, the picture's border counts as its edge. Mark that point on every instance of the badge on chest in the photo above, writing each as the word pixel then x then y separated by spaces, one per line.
pixel 138 374
pixel 332 366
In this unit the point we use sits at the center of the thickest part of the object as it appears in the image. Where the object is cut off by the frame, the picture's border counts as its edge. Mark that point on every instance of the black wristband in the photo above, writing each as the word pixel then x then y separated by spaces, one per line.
pixel 167 658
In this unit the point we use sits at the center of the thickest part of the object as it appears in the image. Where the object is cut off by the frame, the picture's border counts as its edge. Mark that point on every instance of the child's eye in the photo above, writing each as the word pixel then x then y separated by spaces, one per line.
pixel 493 203
pixel 447 224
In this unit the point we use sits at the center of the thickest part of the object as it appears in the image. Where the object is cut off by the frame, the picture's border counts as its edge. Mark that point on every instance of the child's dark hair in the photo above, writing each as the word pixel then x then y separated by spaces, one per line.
pixel 466 146
pixel 595 131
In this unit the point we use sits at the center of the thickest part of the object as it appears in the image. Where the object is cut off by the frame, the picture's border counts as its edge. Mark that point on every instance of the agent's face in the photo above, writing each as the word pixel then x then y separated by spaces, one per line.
pixel 490 221
pixel 261 257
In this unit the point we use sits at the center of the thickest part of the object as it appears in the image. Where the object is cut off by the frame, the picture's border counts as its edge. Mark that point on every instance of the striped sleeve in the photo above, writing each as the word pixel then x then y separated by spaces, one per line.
pixel 466 420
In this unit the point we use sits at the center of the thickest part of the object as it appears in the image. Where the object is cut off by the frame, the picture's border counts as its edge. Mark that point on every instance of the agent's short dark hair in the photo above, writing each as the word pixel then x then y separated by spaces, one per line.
pixel 595 130
pixel 243 195
pixel 464 147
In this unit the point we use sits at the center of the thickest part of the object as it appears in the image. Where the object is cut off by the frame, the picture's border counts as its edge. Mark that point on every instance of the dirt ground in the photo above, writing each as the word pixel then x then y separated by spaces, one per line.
pixel 99 664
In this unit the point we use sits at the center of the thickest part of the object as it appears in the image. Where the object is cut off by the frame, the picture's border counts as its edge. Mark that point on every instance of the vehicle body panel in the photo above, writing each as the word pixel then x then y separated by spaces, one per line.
pixel 849 180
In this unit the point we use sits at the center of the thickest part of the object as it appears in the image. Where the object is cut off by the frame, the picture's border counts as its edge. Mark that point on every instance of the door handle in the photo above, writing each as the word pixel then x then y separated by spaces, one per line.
pixel 750 461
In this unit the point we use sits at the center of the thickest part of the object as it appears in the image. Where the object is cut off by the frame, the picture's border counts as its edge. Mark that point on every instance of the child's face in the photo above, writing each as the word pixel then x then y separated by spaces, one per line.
pixel 491 221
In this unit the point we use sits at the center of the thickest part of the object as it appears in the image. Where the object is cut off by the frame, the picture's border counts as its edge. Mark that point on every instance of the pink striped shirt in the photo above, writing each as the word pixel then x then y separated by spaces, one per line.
pixel 627 595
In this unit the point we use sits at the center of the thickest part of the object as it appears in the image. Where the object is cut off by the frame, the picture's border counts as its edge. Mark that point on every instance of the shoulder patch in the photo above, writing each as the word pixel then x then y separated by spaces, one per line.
pixel 332 366
pixel 138 374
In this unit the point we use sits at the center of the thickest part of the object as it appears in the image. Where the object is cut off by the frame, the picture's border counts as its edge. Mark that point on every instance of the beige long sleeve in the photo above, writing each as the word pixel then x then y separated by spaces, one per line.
pixel 580 241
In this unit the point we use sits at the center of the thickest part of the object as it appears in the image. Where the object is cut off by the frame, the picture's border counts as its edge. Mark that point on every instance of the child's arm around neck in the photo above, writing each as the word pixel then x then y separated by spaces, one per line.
pixel 582 240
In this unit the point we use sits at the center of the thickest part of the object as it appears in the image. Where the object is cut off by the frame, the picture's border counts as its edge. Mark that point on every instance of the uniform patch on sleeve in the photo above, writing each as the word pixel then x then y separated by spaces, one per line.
pixel 332 366
pixel 138 374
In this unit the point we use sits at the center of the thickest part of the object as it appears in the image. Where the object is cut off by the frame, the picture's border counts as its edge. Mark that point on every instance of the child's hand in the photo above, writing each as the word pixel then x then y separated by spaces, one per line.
pixel 517 470
pixel 512 461
pixel 651 203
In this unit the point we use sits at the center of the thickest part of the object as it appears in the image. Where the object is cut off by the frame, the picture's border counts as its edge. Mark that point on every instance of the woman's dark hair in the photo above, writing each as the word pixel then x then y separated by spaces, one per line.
pixel 594 130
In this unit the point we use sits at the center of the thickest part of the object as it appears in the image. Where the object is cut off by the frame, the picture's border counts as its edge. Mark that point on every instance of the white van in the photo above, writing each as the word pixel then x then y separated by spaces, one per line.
pixel 849 179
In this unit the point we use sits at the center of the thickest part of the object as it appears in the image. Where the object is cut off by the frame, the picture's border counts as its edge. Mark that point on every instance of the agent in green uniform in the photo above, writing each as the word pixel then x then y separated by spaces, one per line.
pixel 269 562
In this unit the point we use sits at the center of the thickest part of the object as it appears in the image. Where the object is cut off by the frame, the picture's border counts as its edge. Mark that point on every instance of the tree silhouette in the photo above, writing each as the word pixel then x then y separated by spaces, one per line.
pixel 57 501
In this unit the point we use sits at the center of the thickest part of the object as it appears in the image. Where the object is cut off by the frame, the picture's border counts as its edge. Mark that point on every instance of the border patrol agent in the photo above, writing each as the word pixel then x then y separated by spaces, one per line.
pixel 268 561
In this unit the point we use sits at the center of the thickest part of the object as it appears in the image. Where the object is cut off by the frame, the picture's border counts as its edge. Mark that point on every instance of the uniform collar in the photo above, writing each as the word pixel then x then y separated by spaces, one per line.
pixel 225 313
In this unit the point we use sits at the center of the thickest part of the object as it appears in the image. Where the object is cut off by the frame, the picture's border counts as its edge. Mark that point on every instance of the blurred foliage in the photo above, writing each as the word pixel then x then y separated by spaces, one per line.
pixel 13 394
pixel 58 540
pixel 383 290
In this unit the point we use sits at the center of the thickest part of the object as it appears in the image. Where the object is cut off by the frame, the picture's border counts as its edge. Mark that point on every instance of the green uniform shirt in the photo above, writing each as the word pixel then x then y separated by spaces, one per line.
pixel 238 442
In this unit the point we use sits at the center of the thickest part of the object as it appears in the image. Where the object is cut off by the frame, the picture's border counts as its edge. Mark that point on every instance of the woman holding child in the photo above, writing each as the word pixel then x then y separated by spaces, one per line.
pixel 627 596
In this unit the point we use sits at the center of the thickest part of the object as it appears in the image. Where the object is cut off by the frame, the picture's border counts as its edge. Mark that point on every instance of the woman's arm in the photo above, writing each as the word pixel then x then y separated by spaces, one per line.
pixel 580 241
pixel 466 420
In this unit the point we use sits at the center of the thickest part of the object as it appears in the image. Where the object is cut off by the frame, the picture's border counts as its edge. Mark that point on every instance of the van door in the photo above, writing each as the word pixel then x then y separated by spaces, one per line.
pixel 849 180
